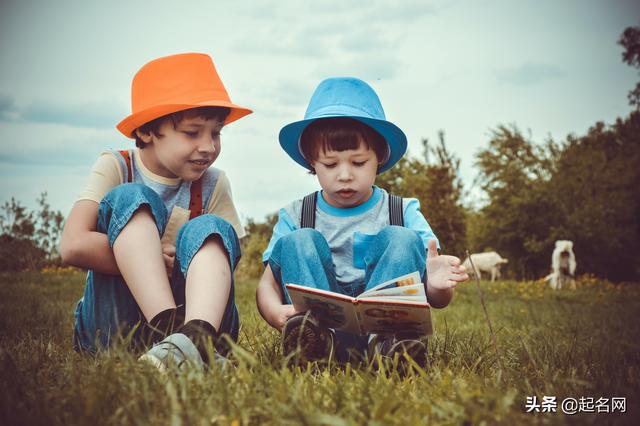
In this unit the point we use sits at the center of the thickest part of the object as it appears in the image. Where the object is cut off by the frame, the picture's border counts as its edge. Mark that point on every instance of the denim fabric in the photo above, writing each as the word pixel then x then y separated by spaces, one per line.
pixel 107 306
pixel 303 257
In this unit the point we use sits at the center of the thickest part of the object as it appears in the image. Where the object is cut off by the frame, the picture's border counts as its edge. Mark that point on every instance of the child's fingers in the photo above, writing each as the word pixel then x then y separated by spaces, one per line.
pixel 450 283
pixel 432 248
pixel 458 269
pixel 460 277
pixel 454 261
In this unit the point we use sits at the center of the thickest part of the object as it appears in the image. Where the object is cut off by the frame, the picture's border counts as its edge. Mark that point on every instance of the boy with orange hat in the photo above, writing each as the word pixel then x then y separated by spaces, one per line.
pixel 156 226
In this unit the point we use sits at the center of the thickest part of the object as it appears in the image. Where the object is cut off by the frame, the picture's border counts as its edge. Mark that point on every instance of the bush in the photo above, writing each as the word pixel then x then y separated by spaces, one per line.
pixel 29 239
pixel 19 254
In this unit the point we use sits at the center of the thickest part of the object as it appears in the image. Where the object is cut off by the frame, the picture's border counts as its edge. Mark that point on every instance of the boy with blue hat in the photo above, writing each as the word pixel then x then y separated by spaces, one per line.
pixel 351 235
pixel 156 226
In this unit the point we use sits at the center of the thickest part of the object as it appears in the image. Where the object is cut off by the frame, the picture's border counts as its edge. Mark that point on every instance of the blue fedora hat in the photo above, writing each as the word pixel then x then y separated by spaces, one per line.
pixel 345 97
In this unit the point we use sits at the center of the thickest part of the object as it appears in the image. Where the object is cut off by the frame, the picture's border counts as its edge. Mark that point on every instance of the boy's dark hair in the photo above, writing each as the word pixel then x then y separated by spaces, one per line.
pixel 340 134
pixel 207 112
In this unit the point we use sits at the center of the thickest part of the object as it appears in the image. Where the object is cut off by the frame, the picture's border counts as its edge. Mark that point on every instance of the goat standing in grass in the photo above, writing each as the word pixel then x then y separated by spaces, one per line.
pixel 563 265
pixel 486 262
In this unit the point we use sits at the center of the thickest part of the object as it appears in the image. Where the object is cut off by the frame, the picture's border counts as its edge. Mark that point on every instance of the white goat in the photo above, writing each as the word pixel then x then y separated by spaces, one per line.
pixel 563 265
pixel 485 262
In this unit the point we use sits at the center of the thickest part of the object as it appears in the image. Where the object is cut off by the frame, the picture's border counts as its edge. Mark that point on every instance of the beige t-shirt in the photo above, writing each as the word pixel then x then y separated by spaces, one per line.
pixel 107 174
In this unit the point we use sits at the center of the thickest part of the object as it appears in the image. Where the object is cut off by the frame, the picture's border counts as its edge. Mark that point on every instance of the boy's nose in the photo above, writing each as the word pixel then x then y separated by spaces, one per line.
pixel 345 174
pixel 208 144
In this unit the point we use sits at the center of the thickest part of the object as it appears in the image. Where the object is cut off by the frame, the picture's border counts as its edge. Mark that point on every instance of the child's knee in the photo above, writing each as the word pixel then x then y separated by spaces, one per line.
pixel 399 235
pixel 300 246
pixel 123 202
pixel 130 192
pixel 204 226
pixel 213 246
pixel 207 229
pixel 303 238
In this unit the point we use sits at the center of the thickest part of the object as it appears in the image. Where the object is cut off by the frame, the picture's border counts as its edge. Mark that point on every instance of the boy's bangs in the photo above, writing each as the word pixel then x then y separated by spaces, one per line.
pixel 207 113
pixel 340 134
pixel 339 139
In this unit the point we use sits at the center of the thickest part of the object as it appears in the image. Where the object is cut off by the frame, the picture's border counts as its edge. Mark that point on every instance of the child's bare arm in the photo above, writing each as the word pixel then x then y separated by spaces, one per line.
pixel 81 245
pixel 269 301
pixel 439 298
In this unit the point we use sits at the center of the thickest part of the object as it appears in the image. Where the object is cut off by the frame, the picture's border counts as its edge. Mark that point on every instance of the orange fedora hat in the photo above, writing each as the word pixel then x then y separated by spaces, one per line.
pixel 175 83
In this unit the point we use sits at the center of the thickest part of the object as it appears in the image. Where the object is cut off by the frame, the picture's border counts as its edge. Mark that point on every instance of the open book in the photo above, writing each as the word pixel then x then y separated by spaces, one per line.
pixel 399 305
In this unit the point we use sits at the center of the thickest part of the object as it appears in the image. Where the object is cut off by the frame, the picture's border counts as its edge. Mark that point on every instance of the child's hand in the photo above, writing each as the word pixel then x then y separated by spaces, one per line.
pixel 282 315
pixel 443 272
pixel 169 255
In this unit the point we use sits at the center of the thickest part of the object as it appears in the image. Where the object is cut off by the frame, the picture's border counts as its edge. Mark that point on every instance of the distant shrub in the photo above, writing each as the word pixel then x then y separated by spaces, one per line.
pixel 256 241
pixel 29 239
pixel 19 254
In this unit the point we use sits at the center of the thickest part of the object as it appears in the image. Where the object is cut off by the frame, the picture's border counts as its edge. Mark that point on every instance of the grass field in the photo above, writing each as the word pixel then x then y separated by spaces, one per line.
pixel 582 343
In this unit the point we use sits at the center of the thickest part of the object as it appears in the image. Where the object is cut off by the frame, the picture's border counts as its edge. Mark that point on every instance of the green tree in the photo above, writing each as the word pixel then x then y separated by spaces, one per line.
pixel 18 250
pixel 630 40
pixel 29 239
pixel 48 228
pixel 253 245
pixel 585 190
pixel 517 220
pixel 595 189
pixel 16 220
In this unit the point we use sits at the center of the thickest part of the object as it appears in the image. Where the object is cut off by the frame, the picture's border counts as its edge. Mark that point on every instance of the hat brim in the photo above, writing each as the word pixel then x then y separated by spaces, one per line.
pixel 132 122
pixel 396 139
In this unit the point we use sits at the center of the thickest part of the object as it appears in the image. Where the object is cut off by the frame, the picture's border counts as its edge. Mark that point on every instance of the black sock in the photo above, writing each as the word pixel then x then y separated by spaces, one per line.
pixel 201 333
pixel 161 325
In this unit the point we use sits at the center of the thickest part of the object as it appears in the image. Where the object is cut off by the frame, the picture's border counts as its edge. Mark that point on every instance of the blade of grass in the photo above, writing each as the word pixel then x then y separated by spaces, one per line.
pixel 486 315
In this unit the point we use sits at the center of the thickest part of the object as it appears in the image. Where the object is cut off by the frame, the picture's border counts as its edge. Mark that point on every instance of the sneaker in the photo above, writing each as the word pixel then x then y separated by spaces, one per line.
pixel 175 351
pixel 389 346
pixel 305 339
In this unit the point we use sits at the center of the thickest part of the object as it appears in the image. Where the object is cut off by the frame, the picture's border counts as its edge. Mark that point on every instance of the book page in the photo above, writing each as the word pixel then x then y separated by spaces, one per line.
pixel 334 310
pixel 413 292
pixel 382 317
pixel 402 281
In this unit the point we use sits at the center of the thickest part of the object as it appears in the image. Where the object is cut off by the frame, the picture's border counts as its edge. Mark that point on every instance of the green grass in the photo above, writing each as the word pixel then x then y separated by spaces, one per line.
pixel 566 343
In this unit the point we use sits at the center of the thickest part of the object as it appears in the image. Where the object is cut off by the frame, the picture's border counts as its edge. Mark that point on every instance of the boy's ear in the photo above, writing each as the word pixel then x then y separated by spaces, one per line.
pixel 386 157
pixel 143 136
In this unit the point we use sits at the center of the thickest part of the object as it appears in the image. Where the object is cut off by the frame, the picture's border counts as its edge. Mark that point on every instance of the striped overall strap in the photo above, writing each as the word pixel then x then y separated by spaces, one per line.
pixel 308 215
pixel 195 200
pixel 395 210
pixel 127 159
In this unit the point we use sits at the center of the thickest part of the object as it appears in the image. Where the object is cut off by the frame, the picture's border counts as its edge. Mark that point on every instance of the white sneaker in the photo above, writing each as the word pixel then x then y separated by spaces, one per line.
pixel 175 351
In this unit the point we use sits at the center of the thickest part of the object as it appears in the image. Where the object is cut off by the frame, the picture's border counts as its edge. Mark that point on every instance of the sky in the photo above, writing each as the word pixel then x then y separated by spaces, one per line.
pixel 552 68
